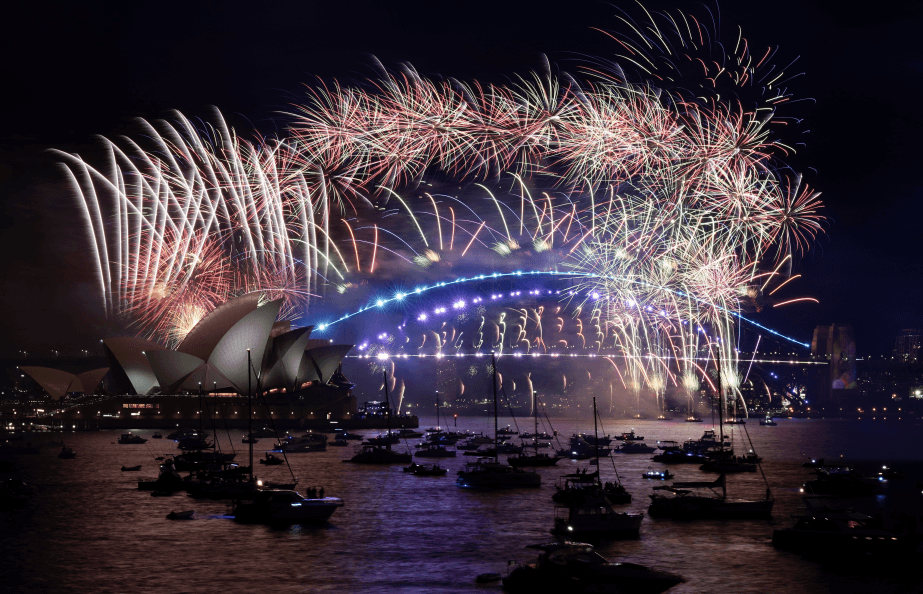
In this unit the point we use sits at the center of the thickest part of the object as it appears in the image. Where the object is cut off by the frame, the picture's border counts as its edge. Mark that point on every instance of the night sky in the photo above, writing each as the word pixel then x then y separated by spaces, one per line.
pixel 74 70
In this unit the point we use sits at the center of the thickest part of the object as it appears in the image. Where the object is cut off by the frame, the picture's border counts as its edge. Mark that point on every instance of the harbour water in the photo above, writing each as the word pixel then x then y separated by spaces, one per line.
pixel 89 529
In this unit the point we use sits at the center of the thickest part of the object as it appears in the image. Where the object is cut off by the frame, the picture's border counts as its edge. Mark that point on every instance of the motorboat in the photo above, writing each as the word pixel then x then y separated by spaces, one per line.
pixel 596 519
pixel 344 434
pixel 488 473
pixel 430 450
pixel 157 435
pixel 271 460
pixel 679 457
pixel 409 434
pixel 536 459
pixel 373 454
pixel 128 438
pixel 506 431
pixel 768 422
pixel 433 470
pixel 635 447
pixel 630 436
pixel 309 442
pixel 841 481
pixel 285 506
pixel 168 480
pixel 131 468
pixel 183 515
pixel 846 533
pixel 661 475
pixel 576 568
pixel 582 489
pixel 728 465
pixel 890 474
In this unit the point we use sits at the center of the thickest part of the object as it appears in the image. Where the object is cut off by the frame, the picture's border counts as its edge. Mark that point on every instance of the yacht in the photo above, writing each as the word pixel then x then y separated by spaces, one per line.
pixel 596 519
pixel 128 438
pixel 846 533
pixel 430 450
pixel 488 473
pixel 285 506
pixel 576 568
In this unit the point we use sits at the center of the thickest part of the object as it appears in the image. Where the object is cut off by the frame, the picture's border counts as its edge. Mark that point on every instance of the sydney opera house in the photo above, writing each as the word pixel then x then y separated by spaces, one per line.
pixel 236 350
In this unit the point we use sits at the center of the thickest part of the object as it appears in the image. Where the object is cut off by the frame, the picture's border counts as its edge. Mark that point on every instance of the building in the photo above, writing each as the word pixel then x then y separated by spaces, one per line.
pixel 907 346
pixel 237 350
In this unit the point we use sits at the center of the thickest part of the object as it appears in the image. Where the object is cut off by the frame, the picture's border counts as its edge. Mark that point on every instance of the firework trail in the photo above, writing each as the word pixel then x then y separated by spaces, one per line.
pixel 664 195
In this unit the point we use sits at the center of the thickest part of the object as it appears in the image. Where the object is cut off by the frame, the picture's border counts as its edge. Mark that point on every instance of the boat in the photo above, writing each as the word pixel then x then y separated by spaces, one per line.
pixel 183 515
pixel 813 463
pixel 488 473
pixel 845 533
pixel 576 568
pixel 285 506
pixel 344 434
pixel 67 453
pixel 309 442
pixel 630 436
pixel 409 434
pixel 434 470
pixel 890 474
pixel 577 489
pixel 381 454
pixel 538 458
pixel 587 510
pixel 841 481
pixel 429 450
pixel 271 460
pixel 693 419
pixel 662 475
pixel 695 500
pixel 157 435
pixel 131 468
pixel 679 457
pixel 168 480
pixel 413 466
pixel 128 438
pixel 506 431
pixel 579 449
pixel 635 447
pixel 596 519
pixel 768 422
pixel 728 465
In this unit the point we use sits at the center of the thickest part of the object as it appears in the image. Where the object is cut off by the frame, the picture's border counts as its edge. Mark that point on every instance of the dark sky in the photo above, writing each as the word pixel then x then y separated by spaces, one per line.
pixel 74 70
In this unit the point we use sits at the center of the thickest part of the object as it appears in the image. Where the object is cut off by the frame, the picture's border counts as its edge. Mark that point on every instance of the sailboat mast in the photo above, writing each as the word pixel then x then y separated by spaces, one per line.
pixel 596 439
pixel 250 414
pixel 535 421
pixel 493 362
pixel 724 488
pixel 384 375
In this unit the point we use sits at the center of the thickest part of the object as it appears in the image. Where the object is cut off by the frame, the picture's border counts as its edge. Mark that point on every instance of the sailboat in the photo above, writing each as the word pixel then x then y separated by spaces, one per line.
pixel 586 488
pixel 488 473
pixel 681 501
pixel 594 515
pixel 538 458
pixel 278 505
pixel 378 453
